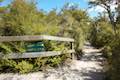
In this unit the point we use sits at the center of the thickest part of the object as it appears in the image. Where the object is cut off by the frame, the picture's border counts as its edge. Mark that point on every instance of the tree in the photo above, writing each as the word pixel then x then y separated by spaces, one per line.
pixel 107 5
pixel 118 11
pixel 101 34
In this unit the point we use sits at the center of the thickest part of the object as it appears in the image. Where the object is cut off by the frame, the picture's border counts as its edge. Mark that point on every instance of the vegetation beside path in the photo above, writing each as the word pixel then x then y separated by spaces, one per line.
pixel 21 17
pixel 89 67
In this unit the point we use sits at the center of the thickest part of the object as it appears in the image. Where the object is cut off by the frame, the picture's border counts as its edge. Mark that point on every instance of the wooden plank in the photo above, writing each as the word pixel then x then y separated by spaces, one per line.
pixel 72 47
pixel 33 54
pixel 34 38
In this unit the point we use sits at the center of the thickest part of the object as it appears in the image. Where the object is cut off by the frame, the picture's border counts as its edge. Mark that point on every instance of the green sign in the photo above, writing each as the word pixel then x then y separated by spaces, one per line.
pixel 35 47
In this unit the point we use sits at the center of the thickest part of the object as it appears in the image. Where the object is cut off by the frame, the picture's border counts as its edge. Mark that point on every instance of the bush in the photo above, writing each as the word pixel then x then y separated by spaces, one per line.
pixel 115 60
pixel 112 53
pixel 7 65
pixel 40 64
pixel 36 64
pixel 24 67
pixel 9 47
pixel 54 61
pixel 31 65
pixel 23 18
pixel 101 35
pixel 107 51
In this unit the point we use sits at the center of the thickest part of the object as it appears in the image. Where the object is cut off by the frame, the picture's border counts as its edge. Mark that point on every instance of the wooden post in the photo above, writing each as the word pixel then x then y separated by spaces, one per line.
pixel 72 48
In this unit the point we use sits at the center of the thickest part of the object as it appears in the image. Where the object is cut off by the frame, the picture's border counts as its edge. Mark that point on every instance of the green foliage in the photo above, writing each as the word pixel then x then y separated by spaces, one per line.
pixel 55 46
pixel 55 61
pixel 23 18
pixel 5 49
pixel 40 62
pixel 112 53
pixel 106 39
pixel 107 4
pixel 74 24
pixel 107 52
pixel 71 23
pixel 24 67
pixel 115 60
pixel 7 63
pixel 31 65
pixel 101 33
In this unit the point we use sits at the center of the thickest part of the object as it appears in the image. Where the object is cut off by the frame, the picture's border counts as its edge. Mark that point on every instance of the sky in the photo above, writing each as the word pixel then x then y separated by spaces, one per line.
pixel 48 5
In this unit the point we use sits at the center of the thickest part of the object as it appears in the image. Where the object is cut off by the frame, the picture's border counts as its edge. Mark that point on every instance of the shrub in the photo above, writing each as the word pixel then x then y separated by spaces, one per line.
pixel 31 65
pixel 7 65
pixel 115 60
pixel 40 64
pixel 107 51
pixel 55 61
pixel 112 53
pixel 24 67
pixel 101 35
pixel 6 49
pixel 17 22
pixel 9 47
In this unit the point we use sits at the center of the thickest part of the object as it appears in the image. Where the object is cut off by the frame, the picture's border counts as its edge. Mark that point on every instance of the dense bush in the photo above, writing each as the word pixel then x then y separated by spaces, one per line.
pixel 35 64
pixel 24 66
pixel 101 33
pixel 115 68
pixel 102 36
pixel 23 18
pixel 113 57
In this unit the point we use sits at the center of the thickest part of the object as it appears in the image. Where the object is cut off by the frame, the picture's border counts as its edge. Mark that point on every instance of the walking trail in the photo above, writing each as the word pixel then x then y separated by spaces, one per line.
pixel 89 67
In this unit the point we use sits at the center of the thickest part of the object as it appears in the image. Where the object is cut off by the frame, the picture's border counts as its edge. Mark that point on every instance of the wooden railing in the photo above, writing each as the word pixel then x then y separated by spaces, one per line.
pixel 35 54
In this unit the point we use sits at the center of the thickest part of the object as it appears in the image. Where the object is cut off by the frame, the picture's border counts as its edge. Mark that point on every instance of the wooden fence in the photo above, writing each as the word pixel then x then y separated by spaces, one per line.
pixel 35 54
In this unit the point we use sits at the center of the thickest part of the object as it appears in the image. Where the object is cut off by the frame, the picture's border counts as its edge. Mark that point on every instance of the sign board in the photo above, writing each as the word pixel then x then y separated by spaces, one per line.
pixel 35 47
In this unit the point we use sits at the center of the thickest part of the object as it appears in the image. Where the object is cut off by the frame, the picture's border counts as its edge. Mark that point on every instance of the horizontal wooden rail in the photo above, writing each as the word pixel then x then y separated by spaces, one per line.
pixel 34 38
pixel 33 54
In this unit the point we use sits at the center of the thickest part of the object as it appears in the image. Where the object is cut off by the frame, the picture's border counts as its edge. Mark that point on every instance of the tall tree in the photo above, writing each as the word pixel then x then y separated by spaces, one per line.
pixel 107 5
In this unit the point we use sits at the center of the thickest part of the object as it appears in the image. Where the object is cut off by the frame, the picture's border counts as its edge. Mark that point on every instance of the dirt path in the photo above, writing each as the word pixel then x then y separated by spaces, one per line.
pixel 88 68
